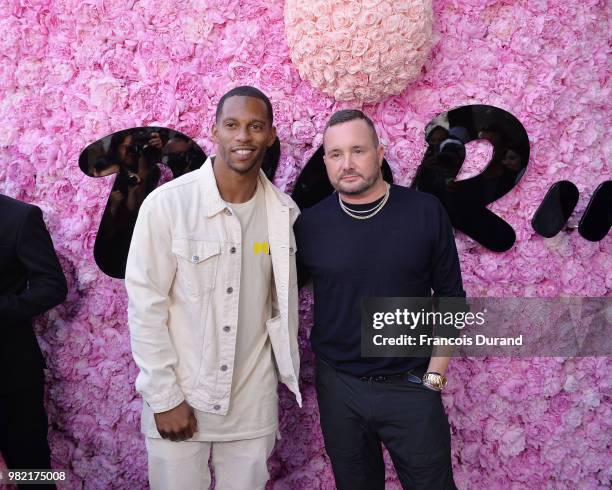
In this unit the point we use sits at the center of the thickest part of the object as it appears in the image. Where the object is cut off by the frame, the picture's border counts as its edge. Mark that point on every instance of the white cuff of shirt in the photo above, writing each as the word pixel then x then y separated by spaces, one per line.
pixel 164 402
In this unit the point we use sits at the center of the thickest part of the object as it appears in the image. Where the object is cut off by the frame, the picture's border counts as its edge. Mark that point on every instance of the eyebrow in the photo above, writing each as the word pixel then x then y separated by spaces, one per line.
pixel 250 122
pixel 339 149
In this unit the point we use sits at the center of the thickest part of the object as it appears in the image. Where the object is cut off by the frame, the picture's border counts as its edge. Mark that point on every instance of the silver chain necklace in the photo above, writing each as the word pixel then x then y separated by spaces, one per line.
pixel 372 211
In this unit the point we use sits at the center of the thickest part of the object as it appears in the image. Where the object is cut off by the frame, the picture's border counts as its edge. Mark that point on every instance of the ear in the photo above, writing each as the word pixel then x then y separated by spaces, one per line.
pixel 380 152
pixel 272 137
pixel 215 133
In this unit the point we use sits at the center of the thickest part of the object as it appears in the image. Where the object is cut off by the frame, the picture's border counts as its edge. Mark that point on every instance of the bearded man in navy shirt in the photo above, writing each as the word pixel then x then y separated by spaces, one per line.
pixel 372 239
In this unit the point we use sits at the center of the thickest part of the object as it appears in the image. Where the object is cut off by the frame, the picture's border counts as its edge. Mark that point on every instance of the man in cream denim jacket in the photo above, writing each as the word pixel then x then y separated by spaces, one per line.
pixel 212 288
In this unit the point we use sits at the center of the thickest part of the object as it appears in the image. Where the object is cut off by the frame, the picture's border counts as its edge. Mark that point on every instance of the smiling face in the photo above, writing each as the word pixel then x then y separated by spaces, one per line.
pixel 243 133
pixel 352 158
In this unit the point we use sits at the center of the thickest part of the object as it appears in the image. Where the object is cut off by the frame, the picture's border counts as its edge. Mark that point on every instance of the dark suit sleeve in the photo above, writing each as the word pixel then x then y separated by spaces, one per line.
pixel 302 271
pixel 46 286
pixel 449 295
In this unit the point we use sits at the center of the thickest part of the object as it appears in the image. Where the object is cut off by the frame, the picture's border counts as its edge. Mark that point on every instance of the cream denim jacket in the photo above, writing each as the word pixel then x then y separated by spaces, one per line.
pixel 183 284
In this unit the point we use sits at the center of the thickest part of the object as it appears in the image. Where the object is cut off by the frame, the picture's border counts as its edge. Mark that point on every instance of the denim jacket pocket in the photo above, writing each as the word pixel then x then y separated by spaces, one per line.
pixel 197 264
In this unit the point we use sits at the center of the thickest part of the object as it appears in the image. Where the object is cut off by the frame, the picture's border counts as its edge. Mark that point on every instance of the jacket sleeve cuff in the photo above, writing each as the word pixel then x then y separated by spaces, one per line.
pixel 167 401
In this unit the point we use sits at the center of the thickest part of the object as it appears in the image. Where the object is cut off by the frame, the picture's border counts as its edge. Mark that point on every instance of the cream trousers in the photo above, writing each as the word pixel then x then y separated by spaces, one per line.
pixel 238 465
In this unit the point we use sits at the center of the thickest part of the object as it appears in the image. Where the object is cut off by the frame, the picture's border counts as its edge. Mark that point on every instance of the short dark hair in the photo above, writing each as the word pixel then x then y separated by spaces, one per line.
pixel 245 91
pixel 346 115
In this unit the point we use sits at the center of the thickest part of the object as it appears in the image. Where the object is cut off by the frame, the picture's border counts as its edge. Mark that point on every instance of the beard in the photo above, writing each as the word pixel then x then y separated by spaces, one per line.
pixel 357 187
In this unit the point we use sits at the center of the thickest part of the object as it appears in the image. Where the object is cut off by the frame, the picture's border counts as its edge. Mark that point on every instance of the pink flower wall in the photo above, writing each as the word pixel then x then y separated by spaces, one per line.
pixel 73 71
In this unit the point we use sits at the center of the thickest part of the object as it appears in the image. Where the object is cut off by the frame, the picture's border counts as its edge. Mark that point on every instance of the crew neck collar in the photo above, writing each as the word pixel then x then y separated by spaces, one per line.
pixel 367 205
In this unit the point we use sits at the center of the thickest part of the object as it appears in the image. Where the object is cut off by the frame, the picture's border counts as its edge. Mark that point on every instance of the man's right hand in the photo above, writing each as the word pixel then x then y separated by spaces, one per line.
pixel 178 423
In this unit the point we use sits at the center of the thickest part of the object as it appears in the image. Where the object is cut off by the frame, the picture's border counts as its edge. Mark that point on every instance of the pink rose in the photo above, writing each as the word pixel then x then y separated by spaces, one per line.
pixel 303 131
pixel 319 7
pixel 308 26
pixel 384 9
pixel 340 20
pixel 418 39
pixel 353 9
pixel 371 59
pixel 318 63
pixel 339 40
pixel 329 74
pixel 369 18
pixel 328 55
pixel 395 55
pixel 345 93
pixel 323 24
pixel 359 46
pixel 415 11
pixel 392 23
pixel 309 46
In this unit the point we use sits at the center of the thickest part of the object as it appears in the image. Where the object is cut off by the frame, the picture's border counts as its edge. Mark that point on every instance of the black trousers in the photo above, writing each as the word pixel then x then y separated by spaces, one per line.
pixel 409 419
pixel 23 431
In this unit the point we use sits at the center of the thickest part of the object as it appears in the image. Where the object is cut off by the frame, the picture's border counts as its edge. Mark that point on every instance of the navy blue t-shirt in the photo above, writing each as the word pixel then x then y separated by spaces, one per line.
pixel 407 249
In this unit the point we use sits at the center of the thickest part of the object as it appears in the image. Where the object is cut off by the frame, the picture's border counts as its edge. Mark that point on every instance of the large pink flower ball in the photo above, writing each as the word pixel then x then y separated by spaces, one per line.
pixel 359 50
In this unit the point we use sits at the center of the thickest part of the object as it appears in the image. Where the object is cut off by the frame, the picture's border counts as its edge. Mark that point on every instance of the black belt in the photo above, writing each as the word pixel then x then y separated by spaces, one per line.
pixel 412 376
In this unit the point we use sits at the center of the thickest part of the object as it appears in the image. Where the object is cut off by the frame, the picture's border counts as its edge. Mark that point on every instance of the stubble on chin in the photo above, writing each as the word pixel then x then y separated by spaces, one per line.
pixel 240 170
pixel 243 170
pixel 351 190
pixel 356 188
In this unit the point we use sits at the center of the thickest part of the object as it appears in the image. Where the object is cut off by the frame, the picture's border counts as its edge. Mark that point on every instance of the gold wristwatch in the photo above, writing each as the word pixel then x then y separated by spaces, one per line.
pixel 435 380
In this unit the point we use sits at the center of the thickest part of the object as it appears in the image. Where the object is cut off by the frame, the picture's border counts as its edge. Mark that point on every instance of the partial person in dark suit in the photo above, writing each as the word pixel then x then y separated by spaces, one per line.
pixel 31 282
